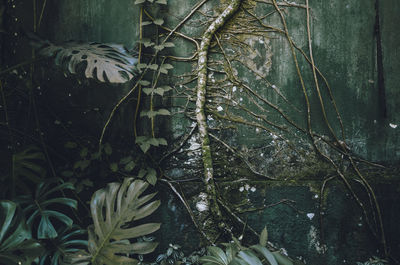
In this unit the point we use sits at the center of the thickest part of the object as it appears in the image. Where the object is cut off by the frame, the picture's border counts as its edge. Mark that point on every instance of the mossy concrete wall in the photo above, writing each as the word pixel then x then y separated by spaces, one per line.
pixel 354 60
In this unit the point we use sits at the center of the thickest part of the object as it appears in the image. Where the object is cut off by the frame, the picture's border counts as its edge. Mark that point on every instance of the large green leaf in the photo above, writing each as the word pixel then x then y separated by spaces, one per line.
pixel 26 169
pixel 249 257
pixel 69 240
pixel 114 209
pixel 265 253
pixel 16 243
pixel 43 205
pixel 103 62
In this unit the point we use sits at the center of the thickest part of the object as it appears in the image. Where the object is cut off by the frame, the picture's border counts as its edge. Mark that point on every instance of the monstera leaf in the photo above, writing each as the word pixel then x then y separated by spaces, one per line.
pixel 44 204
pixel 16 243
pixel 114 210
pixel 68 241
pixel 104 62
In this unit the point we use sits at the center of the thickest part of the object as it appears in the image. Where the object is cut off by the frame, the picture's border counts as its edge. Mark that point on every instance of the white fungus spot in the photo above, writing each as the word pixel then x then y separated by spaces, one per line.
pixel 310 216
pixel 202 206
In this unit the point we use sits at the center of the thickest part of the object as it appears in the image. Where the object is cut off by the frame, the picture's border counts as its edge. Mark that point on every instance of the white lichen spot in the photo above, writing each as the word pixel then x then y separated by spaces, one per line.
pixel 392 125
pixel 310 216
pixel 314 242
pixel 219 108
pixel 202 206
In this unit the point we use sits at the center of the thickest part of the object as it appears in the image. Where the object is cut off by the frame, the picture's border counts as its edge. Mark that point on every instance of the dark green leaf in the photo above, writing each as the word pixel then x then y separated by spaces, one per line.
pixel 144 82
pixel 264 237
pixel 114 167
pixel 130 166
pixel 265 253
pixel 159 21
pixel 151 176
pixel 108 149
pixel 169 44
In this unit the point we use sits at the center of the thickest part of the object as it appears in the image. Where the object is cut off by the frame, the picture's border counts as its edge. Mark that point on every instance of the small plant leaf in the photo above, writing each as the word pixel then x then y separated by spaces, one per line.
pixel 161 2
pixel 264 237
pixel 158 21
pixel 144 82
pixel 151 176
pixel 114 167
pixel 108 149
pixel 137 2
pixel 169 44
pixel 130 166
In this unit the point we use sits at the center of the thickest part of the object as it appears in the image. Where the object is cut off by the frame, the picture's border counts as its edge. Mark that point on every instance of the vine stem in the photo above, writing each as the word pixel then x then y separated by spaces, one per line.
pixel 200 107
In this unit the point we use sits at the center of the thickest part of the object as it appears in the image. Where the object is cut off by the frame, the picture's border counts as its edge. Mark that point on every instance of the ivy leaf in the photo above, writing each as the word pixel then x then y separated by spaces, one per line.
pixel 151 176
pixel 84 152
pixel 130 166
pixel 163 112
pixel 146 42
pixel 142 173
pixel 114 167
pixel 264 237
pixel 148 113
pixel 108 149
pixel 159 47
pixel 165 67
pixel 144 82
pixel 162 141
pixel 148 90
pixel 143 144
pixel 125 160
pixel 169 44
pixel 159 21
pixel 140 66
pixel 153 67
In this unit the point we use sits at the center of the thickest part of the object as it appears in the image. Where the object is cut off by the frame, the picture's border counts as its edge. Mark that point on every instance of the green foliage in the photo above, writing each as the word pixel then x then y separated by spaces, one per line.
pixel 103 62
pixel 236 254
pixel 16 244
pixel 26 170
pixel 68 241
pixel 44 204
pixel 114 209
pixel 374 261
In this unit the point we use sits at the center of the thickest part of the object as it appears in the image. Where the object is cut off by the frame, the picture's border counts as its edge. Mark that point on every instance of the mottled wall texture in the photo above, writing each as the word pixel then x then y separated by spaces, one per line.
pixel 267 168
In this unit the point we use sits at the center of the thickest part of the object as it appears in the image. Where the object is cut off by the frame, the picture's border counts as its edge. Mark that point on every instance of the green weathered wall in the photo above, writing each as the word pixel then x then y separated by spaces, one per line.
pixel 345 50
